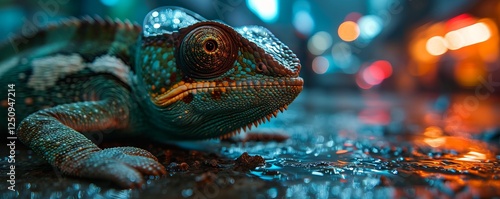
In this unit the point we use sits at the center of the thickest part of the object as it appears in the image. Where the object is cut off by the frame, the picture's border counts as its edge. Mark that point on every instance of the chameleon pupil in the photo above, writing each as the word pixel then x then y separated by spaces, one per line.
pixel 210 46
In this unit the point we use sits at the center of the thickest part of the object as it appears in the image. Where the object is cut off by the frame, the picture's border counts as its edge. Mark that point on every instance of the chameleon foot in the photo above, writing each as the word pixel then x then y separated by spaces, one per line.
pixel 122 165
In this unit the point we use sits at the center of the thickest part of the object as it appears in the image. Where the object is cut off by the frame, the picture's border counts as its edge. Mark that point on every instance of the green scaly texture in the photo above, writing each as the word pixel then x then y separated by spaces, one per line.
pixel 179 77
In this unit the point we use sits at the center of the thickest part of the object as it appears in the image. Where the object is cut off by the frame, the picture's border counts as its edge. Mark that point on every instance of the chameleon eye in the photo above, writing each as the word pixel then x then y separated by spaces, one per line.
pixel 210 45
pixel 206 52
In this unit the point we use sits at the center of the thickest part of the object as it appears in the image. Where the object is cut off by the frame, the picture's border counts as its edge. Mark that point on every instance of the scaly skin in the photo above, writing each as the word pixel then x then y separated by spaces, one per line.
pixel 184 77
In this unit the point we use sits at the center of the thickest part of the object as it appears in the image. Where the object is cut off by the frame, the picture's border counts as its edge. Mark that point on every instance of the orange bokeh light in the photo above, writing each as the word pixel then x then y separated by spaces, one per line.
pixel 433 131
pixel 467 73
pixel 348 31
pixel 470 43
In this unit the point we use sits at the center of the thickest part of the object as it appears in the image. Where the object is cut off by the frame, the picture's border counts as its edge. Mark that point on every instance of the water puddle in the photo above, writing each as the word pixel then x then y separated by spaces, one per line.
pixel 381 151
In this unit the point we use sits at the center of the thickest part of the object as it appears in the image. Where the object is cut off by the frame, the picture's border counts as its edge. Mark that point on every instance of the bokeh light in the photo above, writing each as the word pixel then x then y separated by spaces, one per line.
pixel 353 16
pixel 433 131
pixel 266 10
pixel 374 116
pixel 320 65
pixel 303 22
pixel 377 72
pixel 109 2
pixel 348 31
pixel 453 36
pixel 489 50
pixel 319 42
pixel 370 26
pixel 460 21
pixel 418 47
pixel 342 57
pixel 384 66
pixel 473 156
pixel 360 81
pixel 373 75
pixel 454 39
pixel 473 34
pixel 467 73
pixel 436 46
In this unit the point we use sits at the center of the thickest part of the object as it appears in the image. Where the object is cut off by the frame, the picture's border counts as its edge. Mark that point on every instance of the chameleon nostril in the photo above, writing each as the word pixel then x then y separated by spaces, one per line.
pixel 261 67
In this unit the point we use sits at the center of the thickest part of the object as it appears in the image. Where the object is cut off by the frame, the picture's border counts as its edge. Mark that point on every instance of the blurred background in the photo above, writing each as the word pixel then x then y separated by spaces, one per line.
pixel 404 46
pixel 442 53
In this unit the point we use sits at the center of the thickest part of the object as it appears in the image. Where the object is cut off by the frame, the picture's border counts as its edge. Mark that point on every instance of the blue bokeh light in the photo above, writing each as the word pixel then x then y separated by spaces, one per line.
pixel 266 10
pixel 109 2
pixel 303 22
pixel 370 26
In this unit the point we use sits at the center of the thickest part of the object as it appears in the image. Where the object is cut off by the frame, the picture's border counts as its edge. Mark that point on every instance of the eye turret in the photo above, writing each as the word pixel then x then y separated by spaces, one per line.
pixel 207 51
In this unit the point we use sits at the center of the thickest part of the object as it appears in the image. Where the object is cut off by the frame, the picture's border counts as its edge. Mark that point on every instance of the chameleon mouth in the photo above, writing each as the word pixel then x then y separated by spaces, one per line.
pixel 183 89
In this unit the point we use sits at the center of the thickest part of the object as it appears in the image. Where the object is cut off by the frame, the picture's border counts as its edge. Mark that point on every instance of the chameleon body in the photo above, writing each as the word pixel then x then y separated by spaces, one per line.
pixel 180 76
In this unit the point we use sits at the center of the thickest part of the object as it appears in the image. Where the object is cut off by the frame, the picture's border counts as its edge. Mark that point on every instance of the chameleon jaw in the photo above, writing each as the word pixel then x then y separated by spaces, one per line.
pixel 255 123
pixel 183 89
pixel 288 88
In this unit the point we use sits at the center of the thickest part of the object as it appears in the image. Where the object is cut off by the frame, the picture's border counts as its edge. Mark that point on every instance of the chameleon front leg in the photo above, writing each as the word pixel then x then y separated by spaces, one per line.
pixel 54 133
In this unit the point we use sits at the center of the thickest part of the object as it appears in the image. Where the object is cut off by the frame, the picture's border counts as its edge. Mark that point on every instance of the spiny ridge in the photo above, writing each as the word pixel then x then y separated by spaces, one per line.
pixel 255 123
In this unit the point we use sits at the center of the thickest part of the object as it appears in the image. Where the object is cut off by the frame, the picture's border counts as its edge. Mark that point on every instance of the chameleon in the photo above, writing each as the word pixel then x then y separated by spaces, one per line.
pixel 178 77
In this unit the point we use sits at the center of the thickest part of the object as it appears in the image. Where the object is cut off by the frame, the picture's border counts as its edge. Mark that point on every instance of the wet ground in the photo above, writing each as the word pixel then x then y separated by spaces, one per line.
pixel 340 145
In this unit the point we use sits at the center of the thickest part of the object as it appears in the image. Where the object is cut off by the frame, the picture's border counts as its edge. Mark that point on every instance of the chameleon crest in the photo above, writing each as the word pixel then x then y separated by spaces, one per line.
pixel 206 79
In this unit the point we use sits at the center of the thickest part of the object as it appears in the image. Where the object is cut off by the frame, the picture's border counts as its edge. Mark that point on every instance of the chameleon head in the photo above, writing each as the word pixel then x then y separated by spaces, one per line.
pixel 206 79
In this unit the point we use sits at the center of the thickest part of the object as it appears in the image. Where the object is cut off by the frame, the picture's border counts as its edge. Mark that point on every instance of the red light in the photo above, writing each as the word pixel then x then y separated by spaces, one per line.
pixel 460 21
pixel 385 66
pixel 373 75
pixel 362 83
pixel 377 72
pixel 374 116
pixel 353 16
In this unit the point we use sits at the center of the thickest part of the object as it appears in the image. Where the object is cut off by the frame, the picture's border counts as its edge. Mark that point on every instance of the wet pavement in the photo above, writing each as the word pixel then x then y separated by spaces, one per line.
pixel 340 145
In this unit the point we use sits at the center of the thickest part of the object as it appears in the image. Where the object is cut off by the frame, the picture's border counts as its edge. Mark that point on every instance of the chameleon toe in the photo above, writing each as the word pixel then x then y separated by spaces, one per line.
pixel 115 165
pixel 123 175
pixel 145 165
pixel 112 170
pixel 135 151
pixel 137 158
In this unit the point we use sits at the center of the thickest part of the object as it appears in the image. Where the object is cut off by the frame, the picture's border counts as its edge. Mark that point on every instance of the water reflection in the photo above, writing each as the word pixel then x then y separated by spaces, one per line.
pixel 473 156
pixel 387 146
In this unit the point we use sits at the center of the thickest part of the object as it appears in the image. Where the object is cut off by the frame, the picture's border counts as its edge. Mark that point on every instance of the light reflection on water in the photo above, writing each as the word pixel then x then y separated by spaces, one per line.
pixel 399 148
